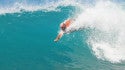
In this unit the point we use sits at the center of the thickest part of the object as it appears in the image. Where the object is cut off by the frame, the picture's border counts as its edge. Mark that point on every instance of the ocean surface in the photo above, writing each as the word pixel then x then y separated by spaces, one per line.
pixel 28 29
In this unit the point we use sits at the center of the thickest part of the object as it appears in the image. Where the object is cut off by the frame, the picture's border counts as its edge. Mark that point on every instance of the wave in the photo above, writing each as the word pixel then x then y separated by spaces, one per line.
pixel 18 7
pixel 105 19
pixel 15 6
pixel 106 23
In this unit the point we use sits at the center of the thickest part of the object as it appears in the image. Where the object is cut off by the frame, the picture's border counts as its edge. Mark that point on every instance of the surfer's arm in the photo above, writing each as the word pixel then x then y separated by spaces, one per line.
pixel 59 36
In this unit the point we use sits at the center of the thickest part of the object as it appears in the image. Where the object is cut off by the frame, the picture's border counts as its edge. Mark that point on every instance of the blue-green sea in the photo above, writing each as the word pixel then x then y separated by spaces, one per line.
pixel 27 42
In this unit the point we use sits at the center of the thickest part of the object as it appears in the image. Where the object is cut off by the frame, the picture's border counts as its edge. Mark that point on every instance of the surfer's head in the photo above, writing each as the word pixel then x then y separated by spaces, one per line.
pixel 63 27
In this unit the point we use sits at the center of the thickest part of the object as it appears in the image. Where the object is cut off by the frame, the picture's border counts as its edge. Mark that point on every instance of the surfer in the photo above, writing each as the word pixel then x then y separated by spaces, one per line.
pixel 63 27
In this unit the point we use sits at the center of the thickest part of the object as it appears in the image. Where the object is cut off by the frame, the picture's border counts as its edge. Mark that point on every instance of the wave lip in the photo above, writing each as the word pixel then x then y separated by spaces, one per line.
pixel 50 6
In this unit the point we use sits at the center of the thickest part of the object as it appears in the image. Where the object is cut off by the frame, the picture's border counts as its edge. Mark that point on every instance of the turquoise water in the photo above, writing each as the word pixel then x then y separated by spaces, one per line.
pixel 26 43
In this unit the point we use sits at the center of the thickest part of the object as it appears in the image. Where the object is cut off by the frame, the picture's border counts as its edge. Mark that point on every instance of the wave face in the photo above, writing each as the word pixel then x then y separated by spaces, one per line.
pixel 28 28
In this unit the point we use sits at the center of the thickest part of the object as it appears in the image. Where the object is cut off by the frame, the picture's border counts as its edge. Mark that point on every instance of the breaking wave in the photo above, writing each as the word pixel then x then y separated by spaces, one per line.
pixel 106 23
pixel 104 19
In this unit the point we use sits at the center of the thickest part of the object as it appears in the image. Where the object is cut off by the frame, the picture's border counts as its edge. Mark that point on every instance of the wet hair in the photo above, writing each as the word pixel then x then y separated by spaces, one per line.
pixel 63 27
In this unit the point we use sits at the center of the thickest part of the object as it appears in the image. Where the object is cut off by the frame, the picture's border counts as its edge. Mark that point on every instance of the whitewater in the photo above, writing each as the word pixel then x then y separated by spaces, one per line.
pixel 107 37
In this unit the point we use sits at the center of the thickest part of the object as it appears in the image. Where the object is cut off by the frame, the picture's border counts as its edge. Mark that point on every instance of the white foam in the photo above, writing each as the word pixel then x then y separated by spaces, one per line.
pixel 107 20
pixel 50 6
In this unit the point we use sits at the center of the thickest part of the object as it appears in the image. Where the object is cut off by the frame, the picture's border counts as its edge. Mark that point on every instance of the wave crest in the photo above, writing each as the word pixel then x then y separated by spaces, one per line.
pixel 17 7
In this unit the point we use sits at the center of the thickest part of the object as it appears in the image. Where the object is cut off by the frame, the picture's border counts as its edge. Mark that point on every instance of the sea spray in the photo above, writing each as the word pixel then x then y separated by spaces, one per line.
pixel 47 6
pixel 106 19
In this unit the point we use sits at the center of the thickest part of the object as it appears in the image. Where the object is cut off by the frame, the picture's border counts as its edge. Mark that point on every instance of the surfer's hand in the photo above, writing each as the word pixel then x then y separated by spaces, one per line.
pixel 55 40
